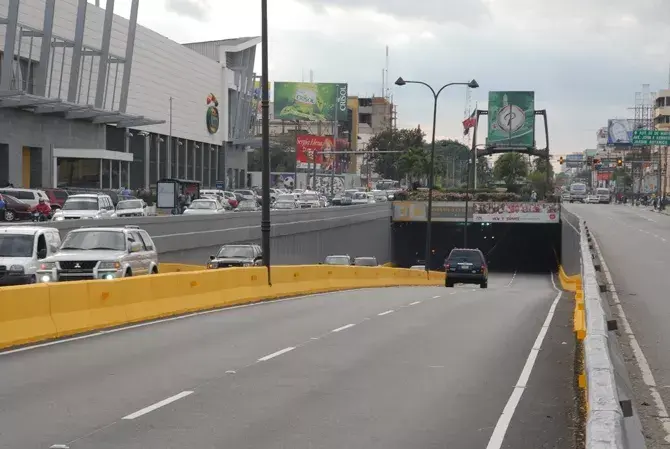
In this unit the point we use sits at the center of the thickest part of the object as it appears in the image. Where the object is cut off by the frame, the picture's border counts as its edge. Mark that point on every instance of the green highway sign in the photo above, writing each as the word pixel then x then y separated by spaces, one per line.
pixel 651 137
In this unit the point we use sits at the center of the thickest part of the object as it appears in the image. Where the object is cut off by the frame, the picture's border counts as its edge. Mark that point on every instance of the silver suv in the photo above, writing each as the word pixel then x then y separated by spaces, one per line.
pixel 101 253
pixel 86 206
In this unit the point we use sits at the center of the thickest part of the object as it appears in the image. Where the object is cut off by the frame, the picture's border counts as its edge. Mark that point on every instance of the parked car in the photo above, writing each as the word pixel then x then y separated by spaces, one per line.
pixel 101 253
pixel 22 250
pixel 29 196
pixel 466 266
pixel 246 255
pixel 14 209
pixel 57 197
pixel 85 206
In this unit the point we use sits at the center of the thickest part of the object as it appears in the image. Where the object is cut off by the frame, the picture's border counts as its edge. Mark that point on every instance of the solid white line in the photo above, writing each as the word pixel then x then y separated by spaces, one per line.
pixel 512 280
pixel 640 358
pixel 158 405
pixel 343 328
pixel 276 354
pixel 418 302
pixel 385 313
pixel 505 418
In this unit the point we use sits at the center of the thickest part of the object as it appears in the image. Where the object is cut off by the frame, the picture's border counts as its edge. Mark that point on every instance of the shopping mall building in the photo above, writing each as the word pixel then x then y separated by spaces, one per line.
pixel 90 99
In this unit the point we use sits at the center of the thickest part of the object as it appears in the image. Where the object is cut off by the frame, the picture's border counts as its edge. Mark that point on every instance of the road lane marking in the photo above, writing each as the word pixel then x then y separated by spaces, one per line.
pixel 339 329
pixel 158 405
pixel 512 280
pixel 505 418
pixel 385 313
pixel 640 358
pixel 419 302
pixel 435 297
pixel 276 354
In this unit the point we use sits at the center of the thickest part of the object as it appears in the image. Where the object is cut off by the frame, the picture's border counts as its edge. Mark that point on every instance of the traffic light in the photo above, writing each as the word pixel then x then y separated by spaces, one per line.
pixel 619 163
pixel 561 160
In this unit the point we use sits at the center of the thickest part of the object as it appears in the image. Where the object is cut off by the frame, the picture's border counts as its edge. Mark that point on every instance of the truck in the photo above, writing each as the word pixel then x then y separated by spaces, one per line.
pixel 578 192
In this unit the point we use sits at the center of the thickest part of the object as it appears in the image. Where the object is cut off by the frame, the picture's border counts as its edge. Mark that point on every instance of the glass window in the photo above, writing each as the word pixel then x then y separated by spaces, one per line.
pixel 461 255
pixel 80 203
pixel 133 204
pixel 338 260
pixel 16 245
pixel 200 204
pixel 95 239
pixel 137 238
pixel 148 243
pixel 246 252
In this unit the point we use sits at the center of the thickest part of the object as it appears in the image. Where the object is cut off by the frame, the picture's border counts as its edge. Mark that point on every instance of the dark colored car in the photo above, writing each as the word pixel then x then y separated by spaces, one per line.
pixel 237 256
pixel 15 209
pixel 57 197
pixel 466 266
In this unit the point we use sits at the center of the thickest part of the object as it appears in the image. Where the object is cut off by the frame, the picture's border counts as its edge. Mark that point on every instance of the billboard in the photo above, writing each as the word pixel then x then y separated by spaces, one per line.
pixel 620 131
pixel 257 97
pixel 310 101
pixel 511 120
pixel 516 212
pixel 602 136
pixel 311 149
pixel 574 160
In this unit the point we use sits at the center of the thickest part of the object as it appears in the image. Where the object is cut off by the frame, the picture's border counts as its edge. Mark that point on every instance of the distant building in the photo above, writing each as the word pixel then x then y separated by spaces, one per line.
pixel 662 122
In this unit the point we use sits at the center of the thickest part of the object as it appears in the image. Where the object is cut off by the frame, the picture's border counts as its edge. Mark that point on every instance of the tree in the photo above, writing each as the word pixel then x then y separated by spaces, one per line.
pixel 387 165
pixel 282 154
pixel 510 168
pixel 484 173
pixel 538 178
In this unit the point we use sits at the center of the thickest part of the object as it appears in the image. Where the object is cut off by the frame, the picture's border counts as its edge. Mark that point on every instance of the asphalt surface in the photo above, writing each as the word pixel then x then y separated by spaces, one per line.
pixel 381 368
pixel 635 243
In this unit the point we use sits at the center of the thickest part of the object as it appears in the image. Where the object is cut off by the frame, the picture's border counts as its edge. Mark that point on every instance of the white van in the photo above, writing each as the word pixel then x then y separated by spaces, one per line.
pixel 22 249
pixel 604 196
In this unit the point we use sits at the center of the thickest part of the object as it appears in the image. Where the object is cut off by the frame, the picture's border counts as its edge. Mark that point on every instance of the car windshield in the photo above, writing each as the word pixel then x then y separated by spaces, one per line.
pixel 360 196
pixel 578 187
pixel 244 252
pixel 134 204
pixel 464 256
pixel 337 260
pixel 16 245
pixel 95 240
pixel 210 204
pixel 365 261
pixel 285 198
pixel 603 191
pixel 81 204
pixel 309 197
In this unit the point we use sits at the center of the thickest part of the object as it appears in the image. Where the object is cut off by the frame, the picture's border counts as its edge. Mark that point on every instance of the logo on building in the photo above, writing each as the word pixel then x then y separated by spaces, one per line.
pixel 212 117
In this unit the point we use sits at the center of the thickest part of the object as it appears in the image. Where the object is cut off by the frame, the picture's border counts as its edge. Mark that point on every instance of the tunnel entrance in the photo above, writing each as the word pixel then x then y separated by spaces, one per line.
pixel 508 247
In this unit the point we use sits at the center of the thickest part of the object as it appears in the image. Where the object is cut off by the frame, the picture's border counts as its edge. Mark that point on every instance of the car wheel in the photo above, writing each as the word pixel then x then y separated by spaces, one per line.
pixel 484 284
pixel 154 270
pixel 128 274
pixel 9 215
pixel 448 284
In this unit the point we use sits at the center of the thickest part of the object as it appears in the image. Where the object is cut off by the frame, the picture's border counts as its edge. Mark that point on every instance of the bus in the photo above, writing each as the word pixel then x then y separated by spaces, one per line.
pixel 577 192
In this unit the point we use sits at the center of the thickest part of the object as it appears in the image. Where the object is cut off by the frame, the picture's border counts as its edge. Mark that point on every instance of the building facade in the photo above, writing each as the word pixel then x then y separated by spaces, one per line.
pixel 662 122
pixel 90 99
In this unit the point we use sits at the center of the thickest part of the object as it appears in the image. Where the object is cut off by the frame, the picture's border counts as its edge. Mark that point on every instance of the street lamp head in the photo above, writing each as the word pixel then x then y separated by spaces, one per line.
pixel 473 84
pixel 400 82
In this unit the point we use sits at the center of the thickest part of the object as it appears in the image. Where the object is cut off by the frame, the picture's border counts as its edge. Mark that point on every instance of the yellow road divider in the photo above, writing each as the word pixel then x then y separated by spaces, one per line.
pixel 178 267
pixel 40 312
pixel 569 283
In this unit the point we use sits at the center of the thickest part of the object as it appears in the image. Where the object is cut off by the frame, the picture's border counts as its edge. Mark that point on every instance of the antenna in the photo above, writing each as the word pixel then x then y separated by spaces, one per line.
pixel 311 75
pixel 383 83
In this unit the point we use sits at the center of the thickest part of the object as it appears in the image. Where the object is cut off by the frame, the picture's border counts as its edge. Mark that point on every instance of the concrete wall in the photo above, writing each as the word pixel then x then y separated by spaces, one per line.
pixel 19 129
pixel 570 247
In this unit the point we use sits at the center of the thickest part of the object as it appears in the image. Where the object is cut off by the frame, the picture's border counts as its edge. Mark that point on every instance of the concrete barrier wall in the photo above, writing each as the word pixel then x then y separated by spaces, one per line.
pixel 570 244
pixel 40 312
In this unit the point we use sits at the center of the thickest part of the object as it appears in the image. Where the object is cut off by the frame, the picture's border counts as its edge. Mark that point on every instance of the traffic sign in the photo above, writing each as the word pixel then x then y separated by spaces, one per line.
pixel 651 137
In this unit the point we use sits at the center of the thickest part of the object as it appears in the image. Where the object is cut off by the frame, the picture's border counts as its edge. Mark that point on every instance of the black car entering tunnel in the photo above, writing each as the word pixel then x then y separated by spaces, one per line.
pixel 466 266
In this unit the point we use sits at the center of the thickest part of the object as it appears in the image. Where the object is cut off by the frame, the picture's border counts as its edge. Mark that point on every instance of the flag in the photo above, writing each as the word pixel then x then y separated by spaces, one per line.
pixel 470 122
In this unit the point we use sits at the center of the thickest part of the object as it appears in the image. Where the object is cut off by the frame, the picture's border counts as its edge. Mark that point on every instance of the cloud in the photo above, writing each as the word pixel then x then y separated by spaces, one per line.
pixel 584 59
pixel 196 9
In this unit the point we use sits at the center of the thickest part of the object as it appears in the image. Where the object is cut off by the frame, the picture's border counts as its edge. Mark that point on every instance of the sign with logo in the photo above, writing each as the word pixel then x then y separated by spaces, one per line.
pixel 646 137
pixel 443 211
pixel 212 116
pixel 311 149
pixel 511 118
pixel 516 212
pixel 574 160
pixel 620 131
pixel 318 102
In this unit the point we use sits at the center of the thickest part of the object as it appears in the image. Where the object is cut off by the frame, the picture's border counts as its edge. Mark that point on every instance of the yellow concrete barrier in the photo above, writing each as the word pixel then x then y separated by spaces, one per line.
pixel 25 315
pixel 569 283
pixel 38 312
pixel 178 267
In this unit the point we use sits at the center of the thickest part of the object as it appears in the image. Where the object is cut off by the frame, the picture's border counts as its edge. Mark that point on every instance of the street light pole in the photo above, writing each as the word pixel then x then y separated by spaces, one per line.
pixel 431 170
pixel 265 106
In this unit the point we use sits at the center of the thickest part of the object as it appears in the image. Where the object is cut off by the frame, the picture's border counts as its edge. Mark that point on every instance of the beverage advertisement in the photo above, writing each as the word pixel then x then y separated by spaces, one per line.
pixel 310 101
pixel 311 148
pixel 516 212
pixel 511 117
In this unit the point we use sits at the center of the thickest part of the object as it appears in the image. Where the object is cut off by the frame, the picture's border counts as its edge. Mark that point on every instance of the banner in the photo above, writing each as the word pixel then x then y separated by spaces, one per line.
pixel 443 211
pixel 620 131
pixel 310 101
pixel 311 148
pixel 574 160
pixel 511 119
pixel 516 212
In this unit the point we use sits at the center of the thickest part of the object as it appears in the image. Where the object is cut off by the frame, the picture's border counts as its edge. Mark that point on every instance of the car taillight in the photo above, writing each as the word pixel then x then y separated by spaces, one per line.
pixel 447 266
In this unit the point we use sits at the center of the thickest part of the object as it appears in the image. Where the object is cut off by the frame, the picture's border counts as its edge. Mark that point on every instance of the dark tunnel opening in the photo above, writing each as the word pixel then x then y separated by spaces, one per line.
pixel 508 247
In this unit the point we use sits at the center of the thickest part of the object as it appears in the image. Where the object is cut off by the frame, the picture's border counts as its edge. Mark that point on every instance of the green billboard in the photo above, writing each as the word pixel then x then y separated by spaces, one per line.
pixel 511 120
pixel 310 101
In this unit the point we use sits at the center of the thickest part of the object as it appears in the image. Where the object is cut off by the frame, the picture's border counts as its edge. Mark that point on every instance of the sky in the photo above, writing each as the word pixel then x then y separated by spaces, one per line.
pixel 584 59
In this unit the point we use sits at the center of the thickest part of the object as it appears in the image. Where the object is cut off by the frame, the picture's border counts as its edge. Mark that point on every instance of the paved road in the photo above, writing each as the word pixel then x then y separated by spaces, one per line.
pixel 384 368
pixel 635 243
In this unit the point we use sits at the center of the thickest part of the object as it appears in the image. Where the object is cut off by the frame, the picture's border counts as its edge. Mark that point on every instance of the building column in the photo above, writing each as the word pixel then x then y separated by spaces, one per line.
pixel 147 161
pixel 75 65
pixel 185 158
pixel 10 43
pixel 209 165
pixel 202 162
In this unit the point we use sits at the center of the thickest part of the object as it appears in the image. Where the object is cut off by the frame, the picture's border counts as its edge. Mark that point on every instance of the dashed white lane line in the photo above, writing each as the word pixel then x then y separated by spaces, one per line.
pixel 502 425
pixel 385 313
pixel 512 280
pixel 158 405
pixel 419 302
pixel 340 329
pixel 435 297
pixel 276 354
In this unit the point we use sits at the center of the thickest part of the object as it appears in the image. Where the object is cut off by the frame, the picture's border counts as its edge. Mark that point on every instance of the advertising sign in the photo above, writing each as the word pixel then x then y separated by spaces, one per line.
pixel 646 137
pixel 511 118
pixel 443 211
pixel 311 148
pixel 574 160
pixel 516 212
pixel 602 136
pixel 620 131
pixel 310 101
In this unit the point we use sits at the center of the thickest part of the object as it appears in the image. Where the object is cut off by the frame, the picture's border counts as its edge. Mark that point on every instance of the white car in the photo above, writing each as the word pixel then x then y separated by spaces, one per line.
pixel 592 199
pixel 309 200
pixel 22 250
pixel 360 198
pixel 130 208
pixel 85 206
pixel 28 196
pixel 205 207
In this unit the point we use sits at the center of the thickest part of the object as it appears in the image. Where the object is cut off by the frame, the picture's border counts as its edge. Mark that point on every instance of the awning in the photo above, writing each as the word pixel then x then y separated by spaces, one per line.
pixel 89 153
pixel 71 111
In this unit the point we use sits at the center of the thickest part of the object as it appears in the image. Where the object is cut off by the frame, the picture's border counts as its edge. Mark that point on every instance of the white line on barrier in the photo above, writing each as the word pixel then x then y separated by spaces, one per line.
pixel 276 354
pixel 158 405
pixel 385 313
pixel 339 329
pixel 419 302
pixel 502 425
pixel 512 280
pixel 640 358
